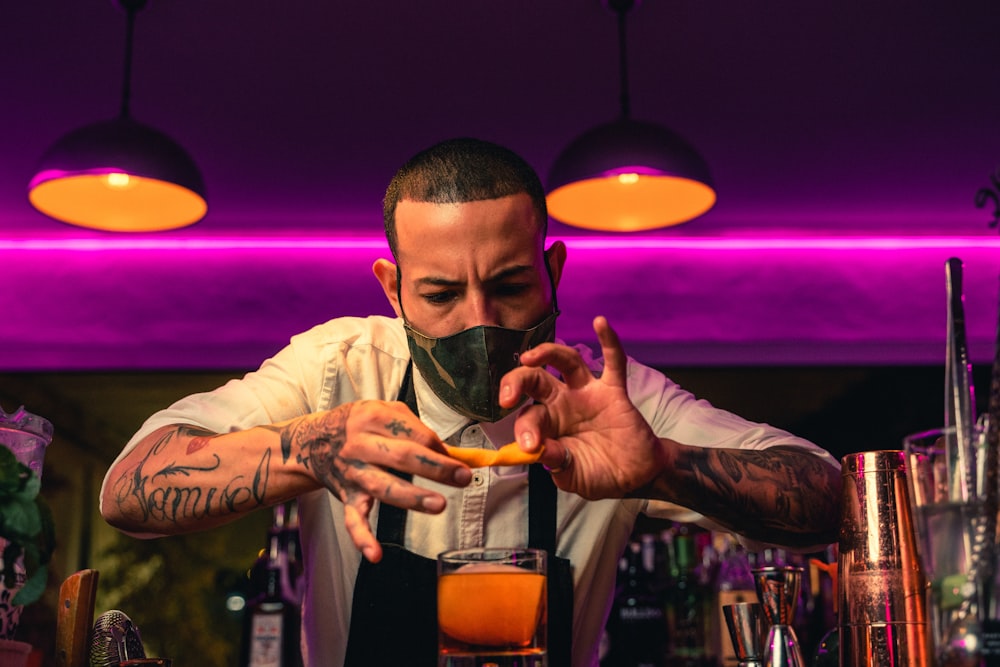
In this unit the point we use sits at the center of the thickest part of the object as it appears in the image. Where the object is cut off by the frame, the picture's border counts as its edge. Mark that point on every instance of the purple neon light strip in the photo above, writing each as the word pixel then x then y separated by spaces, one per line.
pixel 876 243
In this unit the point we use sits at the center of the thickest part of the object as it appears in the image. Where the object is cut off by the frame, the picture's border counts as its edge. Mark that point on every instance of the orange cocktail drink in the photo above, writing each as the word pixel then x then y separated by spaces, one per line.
pixel 491 601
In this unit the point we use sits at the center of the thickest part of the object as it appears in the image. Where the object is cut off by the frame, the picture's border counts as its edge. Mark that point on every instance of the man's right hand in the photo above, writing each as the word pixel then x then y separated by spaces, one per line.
pixel 350 449
pixel 179 479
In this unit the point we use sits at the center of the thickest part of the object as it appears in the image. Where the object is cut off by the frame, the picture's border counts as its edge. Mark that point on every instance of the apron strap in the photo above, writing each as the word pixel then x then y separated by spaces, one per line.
pixel 392 519
pixel 541 509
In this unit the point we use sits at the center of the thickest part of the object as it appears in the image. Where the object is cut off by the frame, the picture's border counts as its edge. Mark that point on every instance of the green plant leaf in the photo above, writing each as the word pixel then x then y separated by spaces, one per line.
pixel 27 527
pixel 31 484
pixel 21 519
pixel 10 472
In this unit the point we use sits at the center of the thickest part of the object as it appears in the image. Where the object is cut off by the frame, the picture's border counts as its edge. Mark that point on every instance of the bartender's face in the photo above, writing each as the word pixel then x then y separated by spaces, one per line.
pixel 470 264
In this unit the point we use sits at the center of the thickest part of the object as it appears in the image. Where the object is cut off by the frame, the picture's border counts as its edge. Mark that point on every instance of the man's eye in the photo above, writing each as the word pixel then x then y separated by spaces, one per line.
pixel 512 289
pixel 439 297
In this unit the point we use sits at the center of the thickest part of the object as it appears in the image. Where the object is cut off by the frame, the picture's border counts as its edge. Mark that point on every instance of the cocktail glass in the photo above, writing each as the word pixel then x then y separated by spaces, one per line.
pixel 492 608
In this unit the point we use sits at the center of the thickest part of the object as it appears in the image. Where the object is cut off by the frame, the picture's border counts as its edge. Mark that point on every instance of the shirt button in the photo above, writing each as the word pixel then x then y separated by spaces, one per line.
pixel 478 478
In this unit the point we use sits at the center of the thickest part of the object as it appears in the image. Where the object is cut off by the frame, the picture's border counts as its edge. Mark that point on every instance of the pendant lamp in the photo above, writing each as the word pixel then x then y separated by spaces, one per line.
pixel 628 175
pixel 119 175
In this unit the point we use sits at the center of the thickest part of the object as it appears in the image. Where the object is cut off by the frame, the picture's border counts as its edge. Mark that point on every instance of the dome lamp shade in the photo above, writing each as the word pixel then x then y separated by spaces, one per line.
pixel 119 175
pixel 629 175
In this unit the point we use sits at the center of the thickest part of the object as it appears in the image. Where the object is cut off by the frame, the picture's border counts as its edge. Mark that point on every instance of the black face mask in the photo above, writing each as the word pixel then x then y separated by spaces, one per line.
pixel 464 369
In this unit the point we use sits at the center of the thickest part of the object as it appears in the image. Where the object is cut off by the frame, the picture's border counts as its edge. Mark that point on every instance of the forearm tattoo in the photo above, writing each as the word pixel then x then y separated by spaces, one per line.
pixel 175 493
pixel 781 494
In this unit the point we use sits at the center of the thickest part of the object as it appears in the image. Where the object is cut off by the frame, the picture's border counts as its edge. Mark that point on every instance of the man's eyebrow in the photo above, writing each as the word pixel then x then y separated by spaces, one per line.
pixel 437 281
pixel 500 276
pixel 511 272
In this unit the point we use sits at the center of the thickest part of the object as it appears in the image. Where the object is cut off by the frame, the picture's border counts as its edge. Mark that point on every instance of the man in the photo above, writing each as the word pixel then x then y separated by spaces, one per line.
pixel 474 290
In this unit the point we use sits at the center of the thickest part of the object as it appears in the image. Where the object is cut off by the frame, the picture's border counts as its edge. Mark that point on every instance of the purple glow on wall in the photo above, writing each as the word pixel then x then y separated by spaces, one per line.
pixel 171 302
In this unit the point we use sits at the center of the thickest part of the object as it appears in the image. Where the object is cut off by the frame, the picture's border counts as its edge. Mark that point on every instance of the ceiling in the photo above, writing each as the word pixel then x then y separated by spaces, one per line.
pixel 826 126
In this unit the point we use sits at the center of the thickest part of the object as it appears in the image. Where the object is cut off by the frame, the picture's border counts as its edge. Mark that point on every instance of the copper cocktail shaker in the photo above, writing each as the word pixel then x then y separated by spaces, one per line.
pixel 881 588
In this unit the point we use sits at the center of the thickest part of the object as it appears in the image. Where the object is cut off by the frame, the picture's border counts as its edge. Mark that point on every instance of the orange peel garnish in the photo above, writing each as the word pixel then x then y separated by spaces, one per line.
pixel 508 455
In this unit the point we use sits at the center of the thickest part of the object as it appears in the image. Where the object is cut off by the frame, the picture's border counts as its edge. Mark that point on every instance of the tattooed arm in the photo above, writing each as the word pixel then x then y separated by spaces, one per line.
pixel 179 479
pixel 779 495
pixel 598 445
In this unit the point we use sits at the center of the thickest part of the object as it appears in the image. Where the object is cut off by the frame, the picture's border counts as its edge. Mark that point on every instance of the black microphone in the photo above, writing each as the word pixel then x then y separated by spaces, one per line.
pixel 115 639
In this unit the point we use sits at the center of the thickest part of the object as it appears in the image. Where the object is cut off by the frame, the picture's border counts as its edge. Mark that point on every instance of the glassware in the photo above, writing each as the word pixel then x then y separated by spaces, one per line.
pixel 27 436
pixel 492 608
pixel 957 534
pixel 778 592
pixel 745 621
pixel 882 587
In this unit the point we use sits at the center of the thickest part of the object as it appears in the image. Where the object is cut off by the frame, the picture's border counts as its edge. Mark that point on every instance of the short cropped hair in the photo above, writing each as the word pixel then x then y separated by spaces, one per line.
pixel 462 170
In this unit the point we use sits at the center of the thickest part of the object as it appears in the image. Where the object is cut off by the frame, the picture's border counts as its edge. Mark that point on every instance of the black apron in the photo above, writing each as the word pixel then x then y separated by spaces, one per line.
pixel 394 612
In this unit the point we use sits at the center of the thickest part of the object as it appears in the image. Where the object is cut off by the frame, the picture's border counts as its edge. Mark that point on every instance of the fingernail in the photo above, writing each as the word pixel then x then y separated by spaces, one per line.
pixel 432 503
pixel 527 440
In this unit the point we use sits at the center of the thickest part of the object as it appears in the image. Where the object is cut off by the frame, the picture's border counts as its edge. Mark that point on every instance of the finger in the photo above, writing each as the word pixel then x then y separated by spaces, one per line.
pixel 556 458
pixel 356 522
pixel 615 360
pixel 406 456
pixel 565 359
pixel 528 429
pixel 563 468
pixel 535 383
pixel 388 488
pixel 394 420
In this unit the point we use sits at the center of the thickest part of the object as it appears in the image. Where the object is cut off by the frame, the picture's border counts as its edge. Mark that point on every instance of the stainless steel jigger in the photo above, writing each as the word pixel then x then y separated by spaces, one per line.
pixel 778 591
pixel 745 621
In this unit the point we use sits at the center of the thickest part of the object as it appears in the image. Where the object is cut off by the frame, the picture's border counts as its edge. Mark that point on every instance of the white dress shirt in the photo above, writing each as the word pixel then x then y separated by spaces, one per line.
pixel 349 359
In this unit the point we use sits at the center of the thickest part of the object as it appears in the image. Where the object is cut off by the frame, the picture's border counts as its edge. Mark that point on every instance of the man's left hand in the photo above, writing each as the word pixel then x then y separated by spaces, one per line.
pixel 596 442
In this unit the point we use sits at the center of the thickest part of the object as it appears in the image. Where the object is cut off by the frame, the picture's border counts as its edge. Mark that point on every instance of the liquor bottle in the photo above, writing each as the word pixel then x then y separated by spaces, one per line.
pixel 636 627
pixel 272 620
pixel 687 603
pixel 292 581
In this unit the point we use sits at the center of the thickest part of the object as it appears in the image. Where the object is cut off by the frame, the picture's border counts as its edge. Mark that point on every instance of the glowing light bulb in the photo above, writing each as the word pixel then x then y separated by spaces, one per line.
pixel 118 181
pixel 235 602
pixel 628 179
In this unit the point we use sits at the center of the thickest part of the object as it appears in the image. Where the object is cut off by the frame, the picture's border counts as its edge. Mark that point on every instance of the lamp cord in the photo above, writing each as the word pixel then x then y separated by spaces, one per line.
pixel 622 10
pixel 130 10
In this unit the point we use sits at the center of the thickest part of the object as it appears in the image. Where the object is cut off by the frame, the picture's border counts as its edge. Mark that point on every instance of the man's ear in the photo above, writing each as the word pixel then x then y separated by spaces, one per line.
pixel 385 272
pixel 556 258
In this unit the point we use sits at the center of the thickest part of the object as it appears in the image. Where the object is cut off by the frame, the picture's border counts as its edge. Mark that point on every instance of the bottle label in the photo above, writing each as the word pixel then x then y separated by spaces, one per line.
pixel 265 640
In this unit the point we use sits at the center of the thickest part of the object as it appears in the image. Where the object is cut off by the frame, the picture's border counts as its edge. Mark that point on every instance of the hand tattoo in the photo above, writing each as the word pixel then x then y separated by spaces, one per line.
pixel 396 427
pixel 318 441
